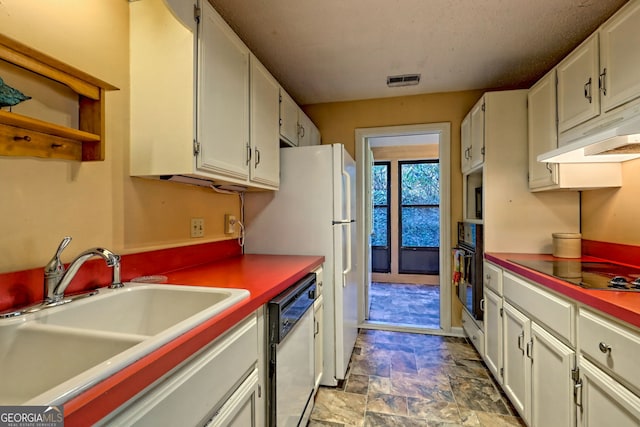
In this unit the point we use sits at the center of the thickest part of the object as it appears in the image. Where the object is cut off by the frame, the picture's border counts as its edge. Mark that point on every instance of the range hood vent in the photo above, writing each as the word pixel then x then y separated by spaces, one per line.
pixel 612 139
pixel 403 80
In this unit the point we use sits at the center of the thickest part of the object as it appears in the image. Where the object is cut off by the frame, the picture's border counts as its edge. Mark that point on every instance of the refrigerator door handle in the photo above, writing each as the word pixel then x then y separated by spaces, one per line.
pixel 347 191
pixel 348 251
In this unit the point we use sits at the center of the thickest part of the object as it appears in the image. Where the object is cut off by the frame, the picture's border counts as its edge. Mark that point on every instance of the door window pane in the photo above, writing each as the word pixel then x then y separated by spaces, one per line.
pixel 420 200
pixel 420 227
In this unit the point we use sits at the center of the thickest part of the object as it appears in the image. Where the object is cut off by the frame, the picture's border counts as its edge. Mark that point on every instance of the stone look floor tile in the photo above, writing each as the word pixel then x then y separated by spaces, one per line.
pixel 478 394
pixel 406 380
pixel 339 407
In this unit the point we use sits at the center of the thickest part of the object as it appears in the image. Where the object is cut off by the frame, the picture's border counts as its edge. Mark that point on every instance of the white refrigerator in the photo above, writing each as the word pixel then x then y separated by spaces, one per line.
pixel 313 213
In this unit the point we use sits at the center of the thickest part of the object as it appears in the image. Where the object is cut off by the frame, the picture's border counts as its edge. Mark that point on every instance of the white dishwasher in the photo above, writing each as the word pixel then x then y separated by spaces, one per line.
pixel 291 359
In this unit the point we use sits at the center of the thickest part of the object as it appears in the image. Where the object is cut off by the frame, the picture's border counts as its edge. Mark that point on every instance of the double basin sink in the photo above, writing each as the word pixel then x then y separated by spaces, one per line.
pixel 52 355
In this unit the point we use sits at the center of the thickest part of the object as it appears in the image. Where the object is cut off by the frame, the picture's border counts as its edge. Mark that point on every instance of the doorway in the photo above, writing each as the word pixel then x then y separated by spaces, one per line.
pixel 408 246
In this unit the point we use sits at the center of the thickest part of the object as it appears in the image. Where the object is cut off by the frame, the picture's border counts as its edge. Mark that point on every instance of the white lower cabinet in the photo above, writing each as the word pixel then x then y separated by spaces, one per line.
pixel 603 402
pixel 537 371
pixel 516 380
pixel 219 386
pixel 493 333
pixel 529 337
pixel 533 366
pixel 318 333
pixel 551 380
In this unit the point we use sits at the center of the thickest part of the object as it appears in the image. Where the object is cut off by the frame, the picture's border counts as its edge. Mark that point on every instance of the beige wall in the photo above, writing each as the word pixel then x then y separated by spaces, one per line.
pixel 612 215
pixel 97 204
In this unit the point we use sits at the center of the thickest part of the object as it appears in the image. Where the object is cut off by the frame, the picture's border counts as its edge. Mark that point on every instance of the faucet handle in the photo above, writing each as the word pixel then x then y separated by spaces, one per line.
pixel 55 266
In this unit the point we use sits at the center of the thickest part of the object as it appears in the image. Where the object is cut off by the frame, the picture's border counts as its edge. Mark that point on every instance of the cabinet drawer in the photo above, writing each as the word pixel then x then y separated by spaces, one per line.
pixel 475 334
pixel 493 277
pixel 203 383
pixel 557 314
pixel 611 345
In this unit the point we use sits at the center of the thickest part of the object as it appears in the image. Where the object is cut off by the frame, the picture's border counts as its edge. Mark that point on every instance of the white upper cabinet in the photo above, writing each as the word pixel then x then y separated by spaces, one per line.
pixel 472 138
pixel 543 137
pixel 203 110
pixel 265 96
pixel 600 75
pixel 296 128
pixel 223 107
pixel 477 134
pixel 578 98
pixel 288 119
pixel 620 58
pixel 543 133
pixel 465 142
pixel 308 133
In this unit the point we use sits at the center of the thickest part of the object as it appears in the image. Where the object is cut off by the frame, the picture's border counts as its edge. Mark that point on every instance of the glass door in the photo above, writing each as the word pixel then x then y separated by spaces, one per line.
pixel 419 228
pixel 380 238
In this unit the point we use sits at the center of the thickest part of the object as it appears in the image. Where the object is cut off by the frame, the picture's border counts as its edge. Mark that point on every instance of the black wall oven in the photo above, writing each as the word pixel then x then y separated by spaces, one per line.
pixel 468 257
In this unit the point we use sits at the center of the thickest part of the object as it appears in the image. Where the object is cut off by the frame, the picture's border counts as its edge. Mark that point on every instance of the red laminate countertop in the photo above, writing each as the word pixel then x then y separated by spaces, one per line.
pixel 264 276
pixel 624 306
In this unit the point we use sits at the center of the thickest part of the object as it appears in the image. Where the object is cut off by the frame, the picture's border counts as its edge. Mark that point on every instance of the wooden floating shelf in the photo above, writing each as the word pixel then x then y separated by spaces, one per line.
pixel 25 136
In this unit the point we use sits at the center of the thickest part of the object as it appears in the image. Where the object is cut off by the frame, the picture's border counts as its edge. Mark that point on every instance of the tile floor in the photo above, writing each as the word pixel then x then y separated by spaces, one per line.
pixel 405 380
pixel 413 305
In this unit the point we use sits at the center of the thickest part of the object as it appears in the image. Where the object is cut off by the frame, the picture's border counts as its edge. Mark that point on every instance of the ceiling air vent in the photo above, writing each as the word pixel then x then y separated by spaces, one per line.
pixel 403 80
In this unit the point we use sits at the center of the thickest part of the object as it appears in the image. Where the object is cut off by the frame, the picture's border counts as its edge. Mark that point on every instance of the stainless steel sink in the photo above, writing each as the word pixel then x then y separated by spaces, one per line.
pixel 49 356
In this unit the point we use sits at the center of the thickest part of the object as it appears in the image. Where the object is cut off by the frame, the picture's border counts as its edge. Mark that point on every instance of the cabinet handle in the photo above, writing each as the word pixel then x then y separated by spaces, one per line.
pixel 482 304
pixel 604 347
pixel 530 349
pixel 257 157
pixel 301 131
pixel 577 393
pixel 22 138
pixel 520 340
pixel 549 168
pixel 587 90
pixel 602 82
pixel 488 276
pixel 248 153
pixel 317 329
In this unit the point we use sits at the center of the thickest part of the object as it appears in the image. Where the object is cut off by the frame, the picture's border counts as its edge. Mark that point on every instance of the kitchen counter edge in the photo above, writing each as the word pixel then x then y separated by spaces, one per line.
pixel 623 306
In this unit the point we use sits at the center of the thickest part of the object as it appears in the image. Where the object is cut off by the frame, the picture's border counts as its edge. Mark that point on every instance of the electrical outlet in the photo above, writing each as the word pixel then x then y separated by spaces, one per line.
pixel 230 224
pixel 197 227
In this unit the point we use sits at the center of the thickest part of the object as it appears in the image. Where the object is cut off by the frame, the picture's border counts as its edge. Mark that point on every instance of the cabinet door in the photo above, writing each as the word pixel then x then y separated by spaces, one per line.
pixel 223 94
pixel 318 333
pixel 543 131
pixel 493 333
pixel 477 134
pixel 288 119
pixel 241 409
pixel 604 402
pixel 620 57
pixel 265 140
pixel 517 366
pixel 465 144
pixel 578 98
pixel 552 388
pixel 307 131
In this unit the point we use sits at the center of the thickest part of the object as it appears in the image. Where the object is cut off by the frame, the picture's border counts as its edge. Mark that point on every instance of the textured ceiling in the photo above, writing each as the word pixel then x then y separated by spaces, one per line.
pixel 337 50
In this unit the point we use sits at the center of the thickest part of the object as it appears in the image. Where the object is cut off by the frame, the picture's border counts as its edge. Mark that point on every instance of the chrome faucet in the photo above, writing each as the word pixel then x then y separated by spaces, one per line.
pixel 56 279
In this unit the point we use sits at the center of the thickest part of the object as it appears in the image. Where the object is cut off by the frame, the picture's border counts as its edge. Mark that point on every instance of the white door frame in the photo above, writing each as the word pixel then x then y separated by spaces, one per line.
pixel 364 248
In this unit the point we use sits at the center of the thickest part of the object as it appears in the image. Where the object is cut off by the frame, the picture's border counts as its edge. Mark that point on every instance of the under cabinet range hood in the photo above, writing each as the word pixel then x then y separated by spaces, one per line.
pixel 613 139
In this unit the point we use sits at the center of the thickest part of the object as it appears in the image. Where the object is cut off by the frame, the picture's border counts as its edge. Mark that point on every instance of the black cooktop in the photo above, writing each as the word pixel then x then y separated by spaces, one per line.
pixel 588 275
